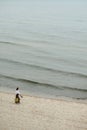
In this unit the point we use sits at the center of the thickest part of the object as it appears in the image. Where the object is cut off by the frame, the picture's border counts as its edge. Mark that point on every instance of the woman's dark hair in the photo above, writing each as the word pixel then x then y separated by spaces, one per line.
pixel 17 88
pixel 17 95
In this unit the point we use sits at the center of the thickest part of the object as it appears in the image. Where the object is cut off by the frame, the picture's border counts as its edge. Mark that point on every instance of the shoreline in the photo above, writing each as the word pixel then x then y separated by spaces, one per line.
pixel 62 98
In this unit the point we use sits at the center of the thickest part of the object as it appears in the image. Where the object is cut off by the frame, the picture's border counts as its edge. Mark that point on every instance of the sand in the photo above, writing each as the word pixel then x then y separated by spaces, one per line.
pixel 34 113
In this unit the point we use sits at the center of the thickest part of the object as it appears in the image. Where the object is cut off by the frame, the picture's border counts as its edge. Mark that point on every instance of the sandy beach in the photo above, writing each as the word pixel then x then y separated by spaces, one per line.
pixel 34 113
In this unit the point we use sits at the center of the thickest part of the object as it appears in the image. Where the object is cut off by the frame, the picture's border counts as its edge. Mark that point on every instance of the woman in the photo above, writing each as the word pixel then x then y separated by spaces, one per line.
pixel 18 96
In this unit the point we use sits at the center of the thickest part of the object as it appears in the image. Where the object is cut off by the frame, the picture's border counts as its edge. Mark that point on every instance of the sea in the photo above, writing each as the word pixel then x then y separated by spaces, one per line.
pixel 43 47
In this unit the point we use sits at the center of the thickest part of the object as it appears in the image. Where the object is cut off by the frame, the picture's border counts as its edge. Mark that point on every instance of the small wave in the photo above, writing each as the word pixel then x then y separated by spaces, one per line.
pixel 67 73
pixel 15 44
pixel 74 89
pixel 11 43
pixel 60 87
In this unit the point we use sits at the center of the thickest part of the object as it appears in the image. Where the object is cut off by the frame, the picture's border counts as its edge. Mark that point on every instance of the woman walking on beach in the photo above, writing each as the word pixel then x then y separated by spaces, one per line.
pixel 18 96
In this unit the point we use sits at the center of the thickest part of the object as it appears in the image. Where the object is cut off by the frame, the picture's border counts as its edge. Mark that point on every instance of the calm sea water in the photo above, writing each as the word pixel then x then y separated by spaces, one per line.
pixel 43 47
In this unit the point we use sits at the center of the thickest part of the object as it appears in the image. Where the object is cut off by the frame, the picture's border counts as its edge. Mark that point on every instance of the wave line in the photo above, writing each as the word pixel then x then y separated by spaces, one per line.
pixel 61 87
pixel 45 68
